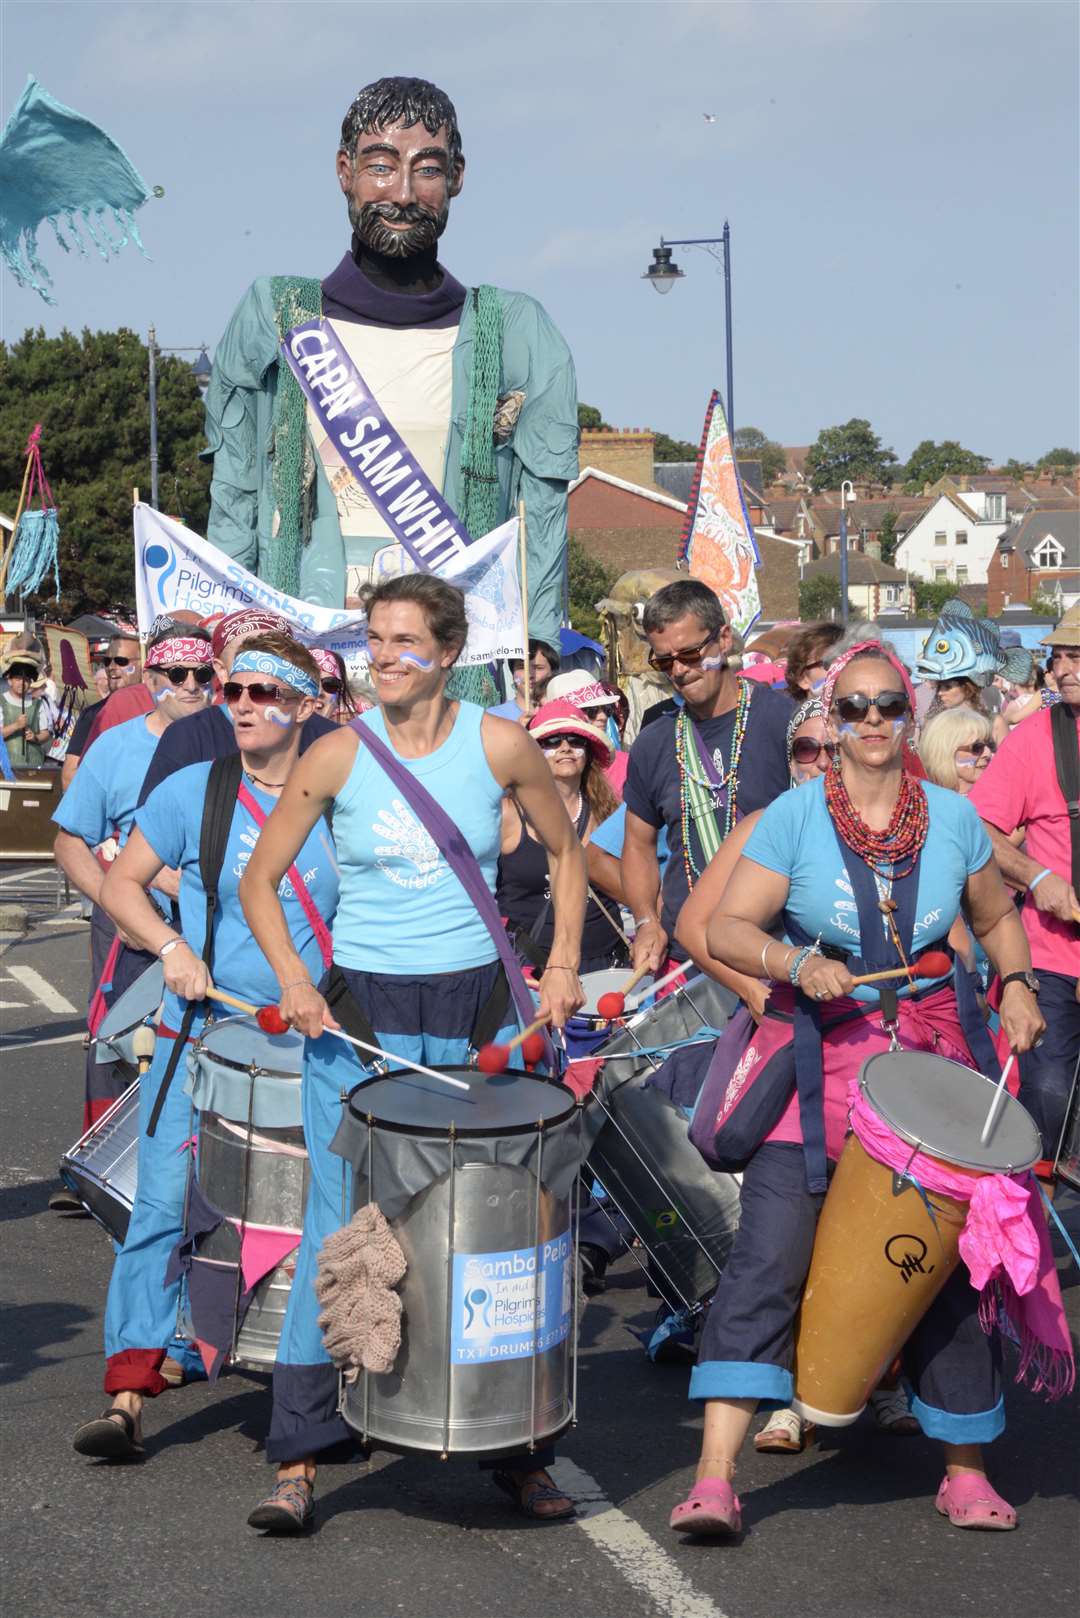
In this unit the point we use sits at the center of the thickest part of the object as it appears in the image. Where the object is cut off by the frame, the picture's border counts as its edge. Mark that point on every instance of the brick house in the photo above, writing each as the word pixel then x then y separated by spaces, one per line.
pixel 873 586
pixel 1039 555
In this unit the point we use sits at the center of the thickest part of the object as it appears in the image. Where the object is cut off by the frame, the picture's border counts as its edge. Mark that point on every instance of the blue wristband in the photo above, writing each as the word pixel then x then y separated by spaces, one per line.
pixel 1034 883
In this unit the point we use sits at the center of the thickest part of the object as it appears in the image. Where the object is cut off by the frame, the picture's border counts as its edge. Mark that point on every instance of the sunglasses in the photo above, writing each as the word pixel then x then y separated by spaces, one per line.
pixel 889 704
pixel 973 751
pixel 689 656
pixel 332 685
pixel 550 744
pixel 121 662
pixel 177 673
pixel 259 693
pixel 807 751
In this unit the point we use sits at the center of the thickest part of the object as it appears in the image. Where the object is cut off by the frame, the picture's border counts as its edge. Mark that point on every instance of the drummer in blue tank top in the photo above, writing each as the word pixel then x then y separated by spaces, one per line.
pixel 413 959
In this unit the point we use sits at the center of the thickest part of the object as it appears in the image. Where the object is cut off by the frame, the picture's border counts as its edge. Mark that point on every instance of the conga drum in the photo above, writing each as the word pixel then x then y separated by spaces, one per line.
pixel 885 1243
pixel 477 1188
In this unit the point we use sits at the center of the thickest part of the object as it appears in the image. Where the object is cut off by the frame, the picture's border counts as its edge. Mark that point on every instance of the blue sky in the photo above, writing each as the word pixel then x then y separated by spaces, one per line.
pixel 901 181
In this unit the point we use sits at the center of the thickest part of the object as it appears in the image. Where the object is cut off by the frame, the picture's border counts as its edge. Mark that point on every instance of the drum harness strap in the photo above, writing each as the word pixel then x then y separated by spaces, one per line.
pixel 1067 765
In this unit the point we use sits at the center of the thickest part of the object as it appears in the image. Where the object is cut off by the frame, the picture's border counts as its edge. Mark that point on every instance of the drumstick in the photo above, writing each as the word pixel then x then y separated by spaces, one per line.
pixel 996 1099
pixel 271 1021
pixel 142 1044
pixel 492 1058
pixel 934 964
pixel 654 988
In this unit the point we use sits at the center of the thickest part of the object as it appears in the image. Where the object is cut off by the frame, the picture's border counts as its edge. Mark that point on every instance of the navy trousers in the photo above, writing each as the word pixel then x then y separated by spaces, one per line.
pixel 1046 1075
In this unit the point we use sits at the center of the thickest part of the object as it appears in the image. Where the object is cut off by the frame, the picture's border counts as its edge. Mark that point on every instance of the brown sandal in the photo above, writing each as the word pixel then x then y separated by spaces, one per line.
pixel 107 1439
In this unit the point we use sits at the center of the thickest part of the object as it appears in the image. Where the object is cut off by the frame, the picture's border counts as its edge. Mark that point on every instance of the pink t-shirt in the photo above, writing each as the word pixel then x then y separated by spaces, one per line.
pixel 1020 788
pixel 616 773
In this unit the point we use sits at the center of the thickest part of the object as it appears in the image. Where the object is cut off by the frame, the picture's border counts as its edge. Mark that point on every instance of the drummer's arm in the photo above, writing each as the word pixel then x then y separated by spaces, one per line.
pixel 641 885
pixel 693 920
pixel 996 923
pixel 604 871
pixel 78 864
pixel 313 784
pixel 139 922
pixel 517 763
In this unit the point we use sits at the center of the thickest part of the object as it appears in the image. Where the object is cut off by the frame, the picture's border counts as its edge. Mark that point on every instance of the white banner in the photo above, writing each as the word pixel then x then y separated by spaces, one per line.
pixel 178 571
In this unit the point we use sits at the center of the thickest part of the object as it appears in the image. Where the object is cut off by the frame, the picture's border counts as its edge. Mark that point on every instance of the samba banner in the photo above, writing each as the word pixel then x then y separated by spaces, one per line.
pixel 178 571
pixel 718 543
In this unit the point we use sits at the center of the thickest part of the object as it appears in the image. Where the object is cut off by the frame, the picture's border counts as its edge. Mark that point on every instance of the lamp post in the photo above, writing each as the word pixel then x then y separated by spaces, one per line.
pixel 200 370
pixel 663 274
pixel 844 498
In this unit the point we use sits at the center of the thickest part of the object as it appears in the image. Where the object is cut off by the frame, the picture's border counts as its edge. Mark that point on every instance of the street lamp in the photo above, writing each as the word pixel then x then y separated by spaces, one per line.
pixel 663 274
pixel 845 496
pixel 200 370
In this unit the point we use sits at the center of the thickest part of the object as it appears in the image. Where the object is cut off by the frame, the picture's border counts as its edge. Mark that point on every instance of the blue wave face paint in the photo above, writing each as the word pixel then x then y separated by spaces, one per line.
pixel 712 662
pixel 414 661
pixel 276 717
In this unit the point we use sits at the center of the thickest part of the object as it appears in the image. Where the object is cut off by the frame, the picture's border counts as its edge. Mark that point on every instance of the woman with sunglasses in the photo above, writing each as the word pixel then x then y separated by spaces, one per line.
pixel 271 691
pixel 335 698
pixel 956 746
pixel 577 753
pixel 864 867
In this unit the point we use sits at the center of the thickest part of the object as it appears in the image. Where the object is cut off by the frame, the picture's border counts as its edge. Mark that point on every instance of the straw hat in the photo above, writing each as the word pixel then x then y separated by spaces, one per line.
pixel 16 655
pixel 1067 632
pixel 582 689
pixel 561 718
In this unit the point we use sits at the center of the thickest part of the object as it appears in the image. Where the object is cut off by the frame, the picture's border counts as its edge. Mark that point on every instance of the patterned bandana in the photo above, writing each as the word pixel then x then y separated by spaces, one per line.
pixel 267 663
pixel 250 621
pixel 812 708
pixel 327 662
pixel 178 649
pixel 871 648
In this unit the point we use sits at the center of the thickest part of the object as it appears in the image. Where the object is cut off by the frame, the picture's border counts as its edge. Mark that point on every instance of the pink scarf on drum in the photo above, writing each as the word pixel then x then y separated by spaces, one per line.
pixel 1004 1243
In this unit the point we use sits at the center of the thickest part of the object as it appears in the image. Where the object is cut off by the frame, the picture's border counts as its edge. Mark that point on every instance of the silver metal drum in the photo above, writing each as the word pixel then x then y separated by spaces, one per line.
pixel 477 1188
pixel 102 1168
pixel 1067 1163
pixel 252 1161
pixel 138 1005
pixel 684 1214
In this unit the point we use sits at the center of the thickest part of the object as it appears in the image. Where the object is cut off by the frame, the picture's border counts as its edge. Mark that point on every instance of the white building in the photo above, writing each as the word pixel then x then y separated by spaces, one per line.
pixel 953 542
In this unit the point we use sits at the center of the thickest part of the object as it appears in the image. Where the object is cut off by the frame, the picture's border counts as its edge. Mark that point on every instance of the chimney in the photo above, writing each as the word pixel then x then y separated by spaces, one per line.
pixel 873 547
pixel 625 452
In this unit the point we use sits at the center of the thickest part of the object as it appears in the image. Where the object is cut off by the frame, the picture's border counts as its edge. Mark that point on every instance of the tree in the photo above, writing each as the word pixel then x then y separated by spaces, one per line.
pixel 930 461
pixel 588 582
pixel 589 419
pixel 930 598
pixel 853 450
pixel 888 538
pixel 1058 460
pixel 90 394
pixel 819 598
pixel 1017 470
pixel 752 445
pixel 673 449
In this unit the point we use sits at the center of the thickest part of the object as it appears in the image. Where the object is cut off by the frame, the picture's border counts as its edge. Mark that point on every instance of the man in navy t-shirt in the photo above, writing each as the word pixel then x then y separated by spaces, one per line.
pixel 209 735
pixel 720 756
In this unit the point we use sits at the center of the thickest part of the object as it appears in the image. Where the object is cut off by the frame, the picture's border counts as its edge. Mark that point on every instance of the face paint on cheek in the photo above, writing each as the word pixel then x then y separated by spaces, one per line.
pixel 166 691
pixel 712 663
pixel 412 660
pixel 276 717
pixel 846 730
pixel 898 725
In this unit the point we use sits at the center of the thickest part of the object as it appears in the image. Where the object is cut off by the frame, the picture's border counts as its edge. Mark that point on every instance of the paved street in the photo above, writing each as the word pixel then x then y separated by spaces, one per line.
pixel 846 1529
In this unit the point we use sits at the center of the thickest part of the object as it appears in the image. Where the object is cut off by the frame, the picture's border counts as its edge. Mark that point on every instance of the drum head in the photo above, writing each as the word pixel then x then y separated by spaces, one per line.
pixel 239 1042
pixel 941 1107
pixel 611 978
pixel 137 1004
pixel 501 1104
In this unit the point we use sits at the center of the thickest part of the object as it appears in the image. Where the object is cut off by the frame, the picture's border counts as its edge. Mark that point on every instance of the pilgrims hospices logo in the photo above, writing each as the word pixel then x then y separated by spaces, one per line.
pixel 160 559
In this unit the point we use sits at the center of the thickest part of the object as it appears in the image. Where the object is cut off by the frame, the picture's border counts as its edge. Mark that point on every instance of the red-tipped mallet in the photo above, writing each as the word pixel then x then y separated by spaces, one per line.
pixel 613 1004
pixel 493 1058
pixel 934 964
pixel 271 1021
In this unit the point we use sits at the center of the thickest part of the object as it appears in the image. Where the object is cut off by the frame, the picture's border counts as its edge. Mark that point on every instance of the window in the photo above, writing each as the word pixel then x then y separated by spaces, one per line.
pixel 961 575
pixel 995 508
pixel 1048 554
pixel 939 539
pixel 961 536
pixel 890 593
pixel 1004 558
pixel 940 575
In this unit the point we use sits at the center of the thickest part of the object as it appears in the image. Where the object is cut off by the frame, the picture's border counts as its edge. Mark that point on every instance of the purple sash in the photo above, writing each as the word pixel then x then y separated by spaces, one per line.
pixel 371 447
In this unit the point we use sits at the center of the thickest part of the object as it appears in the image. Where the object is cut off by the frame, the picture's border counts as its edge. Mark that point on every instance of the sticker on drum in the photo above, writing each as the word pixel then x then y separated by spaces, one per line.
pixel 139 1004
pixel 940 1107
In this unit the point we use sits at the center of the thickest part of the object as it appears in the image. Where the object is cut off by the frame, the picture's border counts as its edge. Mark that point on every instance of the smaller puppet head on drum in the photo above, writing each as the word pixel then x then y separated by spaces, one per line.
pixel 399 165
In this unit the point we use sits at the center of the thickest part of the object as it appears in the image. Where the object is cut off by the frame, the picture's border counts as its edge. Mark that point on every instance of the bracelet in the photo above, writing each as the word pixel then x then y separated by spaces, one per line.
pixel 295 984
pixel 645 921
pixel 550 968
pixel 801 958
pixel 764 951
pixel 1034 883
pixel 170 943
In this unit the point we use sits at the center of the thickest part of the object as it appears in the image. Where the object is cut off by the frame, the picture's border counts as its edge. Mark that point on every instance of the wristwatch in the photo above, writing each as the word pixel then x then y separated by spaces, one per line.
pixel 1028 979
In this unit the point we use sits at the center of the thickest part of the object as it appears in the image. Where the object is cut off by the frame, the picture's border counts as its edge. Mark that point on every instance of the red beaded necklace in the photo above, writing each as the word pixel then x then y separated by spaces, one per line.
pixel 899 844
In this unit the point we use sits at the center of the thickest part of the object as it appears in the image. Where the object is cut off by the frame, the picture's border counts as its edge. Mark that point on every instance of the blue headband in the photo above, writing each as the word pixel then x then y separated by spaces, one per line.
pixel 251 662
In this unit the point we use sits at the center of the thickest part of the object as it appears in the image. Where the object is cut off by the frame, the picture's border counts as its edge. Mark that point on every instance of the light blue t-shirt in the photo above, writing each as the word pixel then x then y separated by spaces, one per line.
pixel 795 838
pixel 403 912
pixel 507 710
pixel 171 822
pixel 610 833
pixel 100 802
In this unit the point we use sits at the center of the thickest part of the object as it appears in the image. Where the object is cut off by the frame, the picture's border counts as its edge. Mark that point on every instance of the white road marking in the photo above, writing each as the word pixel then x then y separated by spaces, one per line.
pixel 23 1044
pixel 12 1005
pixel 625 1543
pixel 41 989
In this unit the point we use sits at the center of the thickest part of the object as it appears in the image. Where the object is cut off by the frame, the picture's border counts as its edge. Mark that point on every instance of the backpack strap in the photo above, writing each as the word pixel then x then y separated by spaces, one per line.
pixel 221 790
pixel 1067 765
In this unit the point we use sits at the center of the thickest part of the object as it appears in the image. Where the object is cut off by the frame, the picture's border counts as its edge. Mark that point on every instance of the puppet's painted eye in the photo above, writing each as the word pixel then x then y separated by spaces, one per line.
pixel 942 646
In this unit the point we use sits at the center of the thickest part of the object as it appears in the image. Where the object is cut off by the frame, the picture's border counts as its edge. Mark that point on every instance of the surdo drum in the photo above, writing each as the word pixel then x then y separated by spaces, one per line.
pixel 477 1188
pixel 252 1164
pixel 684 1213
pixel 886 1244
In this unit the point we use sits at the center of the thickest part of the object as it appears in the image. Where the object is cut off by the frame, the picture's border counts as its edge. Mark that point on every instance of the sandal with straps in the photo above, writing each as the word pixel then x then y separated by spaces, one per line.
pixel 287 1509
pixel 107 1439
pixel 528 1493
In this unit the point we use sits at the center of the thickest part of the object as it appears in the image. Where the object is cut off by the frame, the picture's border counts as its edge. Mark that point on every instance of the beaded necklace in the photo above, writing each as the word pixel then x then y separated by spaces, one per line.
pixel 899 844
pixel 698 795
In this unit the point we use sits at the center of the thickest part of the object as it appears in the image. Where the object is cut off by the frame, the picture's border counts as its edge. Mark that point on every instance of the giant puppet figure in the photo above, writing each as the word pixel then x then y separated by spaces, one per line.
pixel 477 381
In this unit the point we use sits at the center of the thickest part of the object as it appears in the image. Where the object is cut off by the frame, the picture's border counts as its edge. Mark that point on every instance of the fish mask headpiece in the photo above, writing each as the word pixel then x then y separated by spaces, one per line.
pixel 963 647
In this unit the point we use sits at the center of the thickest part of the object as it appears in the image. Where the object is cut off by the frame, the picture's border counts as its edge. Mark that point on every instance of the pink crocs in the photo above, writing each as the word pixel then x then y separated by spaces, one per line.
pixel 711 1507
pixel 969 1501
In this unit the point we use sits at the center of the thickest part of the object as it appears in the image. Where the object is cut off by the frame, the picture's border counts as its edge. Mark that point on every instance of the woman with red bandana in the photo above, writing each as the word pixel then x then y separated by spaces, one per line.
pixel 857 871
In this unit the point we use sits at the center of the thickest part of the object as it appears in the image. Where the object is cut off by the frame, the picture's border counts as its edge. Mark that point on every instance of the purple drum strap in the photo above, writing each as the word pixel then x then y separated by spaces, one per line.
pixel 461 860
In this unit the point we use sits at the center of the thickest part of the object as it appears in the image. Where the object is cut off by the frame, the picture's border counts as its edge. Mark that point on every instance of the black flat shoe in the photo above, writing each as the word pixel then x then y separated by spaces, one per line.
pixel 109 1439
